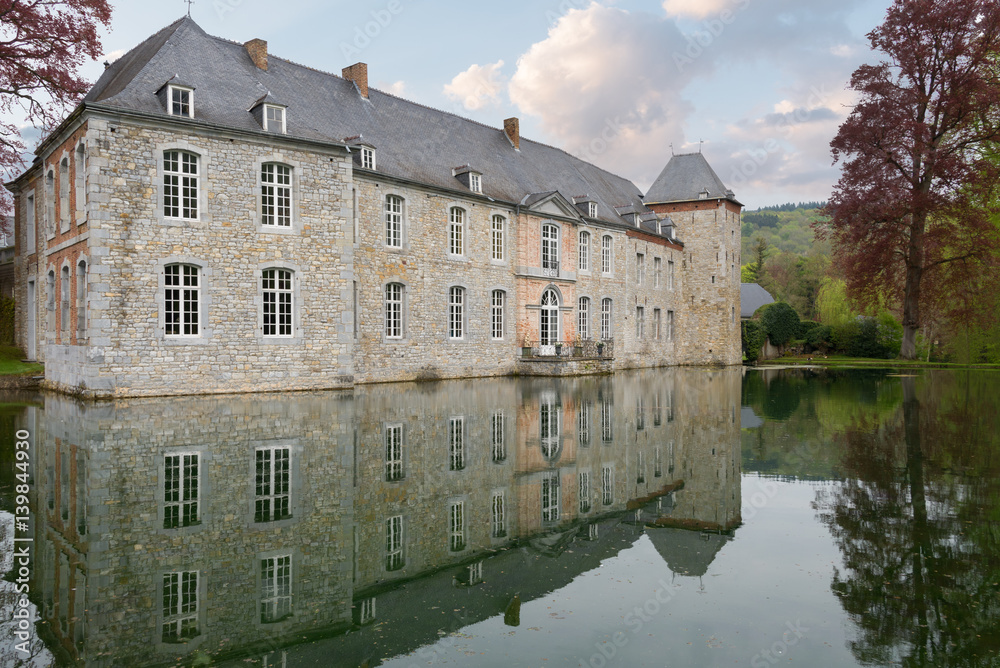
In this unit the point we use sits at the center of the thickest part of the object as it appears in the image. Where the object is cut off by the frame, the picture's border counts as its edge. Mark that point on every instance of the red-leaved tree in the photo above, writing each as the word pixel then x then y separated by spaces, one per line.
pixel 914 176
pixel 43 43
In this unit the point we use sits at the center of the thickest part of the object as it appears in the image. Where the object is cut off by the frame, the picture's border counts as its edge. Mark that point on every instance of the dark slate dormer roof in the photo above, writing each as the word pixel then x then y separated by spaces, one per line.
pixel 752 297
pixel 686 177
pixel 415 142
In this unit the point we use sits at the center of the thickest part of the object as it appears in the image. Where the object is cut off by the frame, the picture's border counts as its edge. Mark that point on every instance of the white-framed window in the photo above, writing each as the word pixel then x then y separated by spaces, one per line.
pixel 606 330
pixel 50 203
pixel 81 300
pixel 550 431
pixel 657 410
pixel 499 298
pixel 456 313
pixel 456 231
pixel 180 185
pixel 640 413
pixel 640 468
pixel 64 305
pixel 50 301
pixel 640 268
pixel 592 209
pixel 272 484
pixel 278 302
pixel 607 421
pixel 181 490
pixel 274 118
pixel 657 462
pixel 394 221
pixel 583 252
pixel 275 195
pixel 181 300
pixel 657 271
pixel 606 254
pixel 180 606
pixel 394 470
pixel 550 498
pixel 607 486
pixel 456 516
pixel 583 317
pixel 367 157
pixel 366 614
pixel 29 223
pixel 550 247
pixel 394 543
pixel 394 293
pixel 456 443
pixel 499 445
pixel 670 325
pixel 670 274
pixel 81 183
pixel 64 180
pixel 180 101
pixel 499 223
pixel 498 509
pixel 583 424
pixel 656 324
pixel 475 182
pixel 583 492
pixel 275 588
pixel 640 322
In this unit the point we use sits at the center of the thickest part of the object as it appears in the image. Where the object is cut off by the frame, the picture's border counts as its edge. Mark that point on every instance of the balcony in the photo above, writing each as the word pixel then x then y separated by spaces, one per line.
pixel 566 358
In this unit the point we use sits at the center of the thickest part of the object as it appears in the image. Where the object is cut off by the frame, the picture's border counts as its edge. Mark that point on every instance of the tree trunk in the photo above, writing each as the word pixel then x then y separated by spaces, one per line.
pixel 911 289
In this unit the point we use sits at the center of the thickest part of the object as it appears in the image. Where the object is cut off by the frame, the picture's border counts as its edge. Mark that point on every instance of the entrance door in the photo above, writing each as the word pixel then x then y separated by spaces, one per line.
pixel 30 343
pixel 550 321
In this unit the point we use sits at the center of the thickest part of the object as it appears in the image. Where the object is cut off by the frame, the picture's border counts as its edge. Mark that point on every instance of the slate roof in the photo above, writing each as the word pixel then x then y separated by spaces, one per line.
pixel 752 297
pixel 414 142
pixel 685 178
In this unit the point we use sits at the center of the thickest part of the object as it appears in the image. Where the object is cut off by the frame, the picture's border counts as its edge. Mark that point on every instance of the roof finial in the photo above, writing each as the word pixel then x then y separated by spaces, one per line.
pixel 700 142
pixel 190 2
pixel 671 149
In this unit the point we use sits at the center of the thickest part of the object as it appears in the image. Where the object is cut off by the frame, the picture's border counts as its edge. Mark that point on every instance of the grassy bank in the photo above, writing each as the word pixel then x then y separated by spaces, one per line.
pixel 841 361
pixel 11 364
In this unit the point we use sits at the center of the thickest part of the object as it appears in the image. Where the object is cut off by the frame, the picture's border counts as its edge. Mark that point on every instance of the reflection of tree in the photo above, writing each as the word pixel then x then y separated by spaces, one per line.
pixel 920 543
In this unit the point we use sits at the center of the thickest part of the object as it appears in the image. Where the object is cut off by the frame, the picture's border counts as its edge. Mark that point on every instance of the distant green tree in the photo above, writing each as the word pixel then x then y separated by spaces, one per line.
pixel 780 321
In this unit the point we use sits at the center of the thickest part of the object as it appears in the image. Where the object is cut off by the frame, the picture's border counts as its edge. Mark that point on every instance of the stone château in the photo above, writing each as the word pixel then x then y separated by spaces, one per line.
pixel 212 218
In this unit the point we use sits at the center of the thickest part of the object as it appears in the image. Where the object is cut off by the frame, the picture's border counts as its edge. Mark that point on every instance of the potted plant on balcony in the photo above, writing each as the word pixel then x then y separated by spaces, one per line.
pixel 559 346
pixel 578 347
pixel 600 348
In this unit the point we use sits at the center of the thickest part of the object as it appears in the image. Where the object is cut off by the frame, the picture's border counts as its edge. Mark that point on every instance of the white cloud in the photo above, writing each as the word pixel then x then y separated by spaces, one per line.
pixel 700 9
pixel 114 55
pixel 477 86
pixel 398 89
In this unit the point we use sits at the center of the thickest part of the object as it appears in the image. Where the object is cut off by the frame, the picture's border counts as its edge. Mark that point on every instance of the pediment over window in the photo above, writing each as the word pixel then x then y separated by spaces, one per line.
pixel 550 204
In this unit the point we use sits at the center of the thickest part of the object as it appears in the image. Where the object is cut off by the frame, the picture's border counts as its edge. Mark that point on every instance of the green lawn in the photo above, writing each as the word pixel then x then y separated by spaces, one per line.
pixel 842 361
pixel 11 364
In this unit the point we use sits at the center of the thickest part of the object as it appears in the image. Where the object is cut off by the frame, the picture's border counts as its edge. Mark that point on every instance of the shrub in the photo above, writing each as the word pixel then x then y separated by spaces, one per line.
pixel 820 338
pixel 878 338
pixel 780 321
pixel 753 339
pixel 805 326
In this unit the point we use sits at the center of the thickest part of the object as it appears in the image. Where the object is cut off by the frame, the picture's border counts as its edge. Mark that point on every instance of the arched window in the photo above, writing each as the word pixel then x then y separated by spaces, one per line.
pixel 394 221
pixel 606 318
pixel 180 185
pixel 456 313
pixel 394 311
pixel 584 251
pixel 181 300
pixel 81 183
pixel 549 318
pixel 278 302
pixel 64 180
pixel 275 195
pixel 583 318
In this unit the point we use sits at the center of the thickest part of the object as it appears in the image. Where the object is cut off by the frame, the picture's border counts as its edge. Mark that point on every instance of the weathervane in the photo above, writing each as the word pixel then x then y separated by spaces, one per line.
pixel 190 2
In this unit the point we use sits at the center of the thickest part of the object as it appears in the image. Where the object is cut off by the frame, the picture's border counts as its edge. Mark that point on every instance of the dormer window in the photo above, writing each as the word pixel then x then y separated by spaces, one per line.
pixel 274 118
pixel 367 157
pixel 592 209
pixel 469 178
pixel 703 194
pixel 180 101
pixel 475 182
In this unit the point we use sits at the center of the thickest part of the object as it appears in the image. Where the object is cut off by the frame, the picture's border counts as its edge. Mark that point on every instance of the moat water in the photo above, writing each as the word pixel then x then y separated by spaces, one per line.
pixel 681 517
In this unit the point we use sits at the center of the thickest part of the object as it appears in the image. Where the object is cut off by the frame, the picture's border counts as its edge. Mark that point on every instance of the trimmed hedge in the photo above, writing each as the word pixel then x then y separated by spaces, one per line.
pixel 753 339
pixel 780 321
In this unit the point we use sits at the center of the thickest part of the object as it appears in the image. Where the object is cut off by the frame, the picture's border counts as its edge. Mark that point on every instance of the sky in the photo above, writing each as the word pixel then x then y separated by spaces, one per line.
pixel 759 86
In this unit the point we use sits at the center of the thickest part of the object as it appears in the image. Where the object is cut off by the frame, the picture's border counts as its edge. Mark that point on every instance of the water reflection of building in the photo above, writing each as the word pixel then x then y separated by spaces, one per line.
pixel 234 524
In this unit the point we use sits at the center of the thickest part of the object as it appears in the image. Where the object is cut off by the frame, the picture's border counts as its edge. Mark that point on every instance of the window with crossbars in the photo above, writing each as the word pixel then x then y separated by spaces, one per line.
pixel 276 195
pixel 273 484
pixel 181 488
pixel 275 589
pixel 180 185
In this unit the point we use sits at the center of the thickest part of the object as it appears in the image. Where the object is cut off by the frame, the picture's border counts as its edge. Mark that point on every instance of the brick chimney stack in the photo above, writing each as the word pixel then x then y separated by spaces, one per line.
pixel 257 48
pixel 512 127
pixel 358 73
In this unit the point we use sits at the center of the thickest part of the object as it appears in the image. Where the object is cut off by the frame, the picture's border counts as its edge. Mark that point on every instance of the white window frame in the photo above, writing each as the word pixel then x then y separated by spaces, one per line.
pixel 394 560
pixel 187 497
pixel 583 424
pixel 456 313
pixel 657 318
pixel 272 483
pixel 475 182
pixel 640 322
pixel 50 203
pixel 498 515
pixel 31 233
pixel 640 268
pixel 276 195
pixel 607 485
pixel 670 325
pixel 368 157
pixel 607 421
pixel 583 491
pixel 498 232
pixel 550 427
pixel 456 517
pixel 64 190
pixel 80 186
pixel 657 272
pixel 607 255
pixel 393 221
pixel 394 298
pixel 499 436
pixel 583 251
pixel 498 301
pixel 180 605
pixel 592 209
pixel 278 302
pixel 181 187
pixel 456 231
pixel 268 122
pixel 186 302
pixel 276 600
pixel 174 94
pixel 456 443
pixel 550 247
pixel 394 467
pixel 551 497
pixel 583 318
pixel 670 274
pixel 607 322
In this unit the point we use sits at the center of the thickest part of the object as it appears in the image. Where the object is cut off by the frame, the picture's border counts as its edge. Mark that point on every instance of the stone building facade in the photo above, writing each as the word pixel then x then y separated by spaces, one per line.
pixel 215 219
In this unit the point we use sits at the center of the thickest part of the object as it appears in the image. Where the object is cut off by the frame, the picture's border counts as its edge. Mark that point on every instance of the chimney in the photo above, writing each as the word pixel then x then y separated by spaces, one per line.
pixel 358 73
pixel 513 129
pixel 257 48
